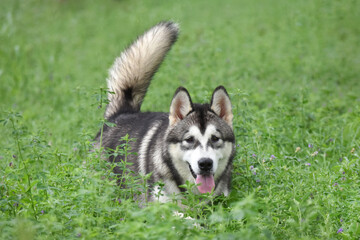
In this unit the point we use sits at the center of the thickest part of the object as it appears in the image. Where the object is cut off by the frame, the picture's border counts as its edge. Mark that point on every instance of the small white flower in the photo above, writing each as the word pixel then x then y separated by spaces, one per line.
pixel 178 214
pixel 197 225
pixel 189 218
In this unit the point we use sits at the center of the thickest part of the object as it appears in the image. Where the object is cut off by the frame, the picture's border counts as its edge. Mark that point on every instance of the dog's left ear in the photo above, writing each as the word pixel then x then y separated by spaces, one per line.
pixel 181 105
pixel 221 105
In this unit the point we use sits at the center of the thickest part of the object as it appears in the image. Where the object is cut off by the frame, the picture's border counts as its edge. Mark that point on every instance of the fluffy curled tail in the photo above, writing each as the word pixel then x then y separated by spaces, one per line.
pixel 130 75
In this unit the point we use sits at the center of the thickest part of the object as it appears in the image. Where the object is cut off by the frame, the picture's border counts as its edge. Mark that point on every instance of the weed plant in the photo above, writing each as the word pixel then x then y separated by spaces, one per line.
pixel 292 72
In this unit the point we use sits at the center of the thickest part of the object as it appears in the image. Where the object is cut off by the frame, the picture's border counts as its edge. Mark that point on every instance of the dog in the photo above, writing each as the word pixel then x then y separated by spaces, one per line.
pixel 193 142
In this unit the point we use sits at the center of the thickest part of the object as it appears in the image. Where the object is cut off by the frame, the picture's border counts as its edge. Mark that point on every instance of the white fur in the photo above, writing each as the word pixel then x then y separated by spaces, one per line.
pixel 137 64
pixel 144 146
pixel 179 164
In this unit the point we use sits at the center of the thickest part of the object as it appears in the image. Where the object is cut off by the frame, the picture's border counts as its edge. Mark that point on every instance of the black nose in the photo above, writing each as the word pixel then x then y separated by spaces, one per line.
pixel 205 164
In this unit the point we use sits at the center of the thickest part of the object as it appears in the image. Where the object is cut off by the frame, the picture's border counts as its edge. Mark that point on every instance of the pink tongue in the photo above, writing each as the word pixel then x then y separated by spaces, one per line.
pixel 207 183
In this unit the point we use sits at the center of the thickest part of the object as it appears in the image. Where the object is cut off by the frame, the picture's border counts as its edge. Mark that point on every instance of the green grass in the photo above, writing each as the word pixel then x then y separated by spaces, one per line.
pixel 291 68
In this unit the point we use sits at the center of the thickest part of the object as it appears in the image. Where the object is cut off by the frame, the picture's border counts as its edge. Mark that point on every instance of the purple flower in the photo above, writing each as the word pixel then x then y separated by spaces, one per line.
pixel 335 184
pixel 341 220
pixel 78 235
pixel 257 180
pixel 343 172
pixel 14 156
pixel 340 159
pixel 11 164
pixel 340 230
pixel 272 157
pixel 343 178
pixel 308 164
pixel 251 167
pixel 310 145
pixel 254 173
pixel 253 155
pixel 42 212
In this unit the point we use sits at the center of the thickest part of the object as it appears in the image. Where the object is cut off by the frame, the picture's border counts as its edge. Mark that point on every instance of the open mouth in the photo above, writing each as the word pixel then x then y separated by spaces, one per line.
pixel 205 183
pixel 192 171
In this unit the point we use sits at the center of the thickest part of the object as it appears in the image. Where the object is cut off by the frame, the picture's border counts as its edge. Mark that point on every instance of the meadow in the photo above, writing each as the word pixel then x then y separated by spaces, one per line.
pixel 292 69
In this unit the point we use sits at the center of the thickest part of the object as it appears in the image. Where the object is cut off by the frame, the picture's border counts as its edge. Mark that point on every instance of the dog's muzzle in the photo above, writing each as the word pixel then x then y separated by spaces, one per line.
pixel 205 179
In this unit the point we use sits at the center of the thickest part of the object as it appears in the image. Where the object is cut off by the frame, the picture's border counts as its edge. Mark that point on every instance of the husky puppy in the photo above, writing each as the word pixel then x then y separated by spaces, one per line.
pixel 194 142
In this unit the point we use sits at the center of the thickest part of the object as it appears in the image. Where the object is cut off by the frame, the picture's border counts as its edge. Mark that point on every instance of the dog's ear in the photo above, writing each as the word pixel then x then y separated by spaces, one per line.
pixel 221 105
pixel 181 105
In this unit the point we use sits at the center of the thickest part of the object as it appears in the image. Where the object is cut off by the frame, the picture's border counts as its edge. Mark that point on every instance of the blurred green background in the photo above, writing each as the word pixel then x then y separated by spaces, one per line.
pixel 55 54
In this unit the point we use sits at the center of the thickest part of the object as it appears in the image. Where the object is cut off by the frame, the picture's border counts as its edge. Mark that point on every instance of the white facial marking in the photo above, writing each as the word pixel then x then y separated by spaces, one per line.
pixel 204 151
pixel 220 155
pixel 177 156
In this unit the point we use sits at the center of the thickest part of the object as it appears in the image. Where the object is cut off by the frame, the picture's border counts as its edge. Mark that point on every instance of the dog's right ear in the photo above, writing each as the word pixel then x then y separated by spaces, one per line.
pixel 181 105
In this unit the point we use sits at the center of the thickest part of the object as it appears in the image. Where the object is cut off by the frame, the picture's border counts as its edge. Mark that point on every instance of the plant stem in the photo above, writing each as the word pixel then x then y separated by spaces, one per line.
pixel 26 169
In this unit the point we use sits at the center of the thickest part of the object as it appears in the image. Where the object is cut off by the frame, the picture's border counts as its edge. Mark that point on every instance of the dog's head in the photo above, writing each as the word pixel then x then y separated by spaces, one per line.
pixel 201 139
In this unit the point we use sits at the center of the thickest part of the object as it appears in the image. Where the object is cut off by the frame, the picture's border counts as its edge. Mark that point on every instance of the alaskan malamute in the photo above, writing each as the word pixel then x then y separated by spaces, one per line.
pixel 194 142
